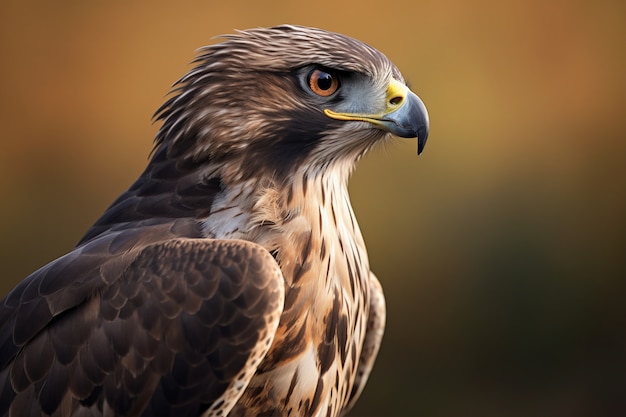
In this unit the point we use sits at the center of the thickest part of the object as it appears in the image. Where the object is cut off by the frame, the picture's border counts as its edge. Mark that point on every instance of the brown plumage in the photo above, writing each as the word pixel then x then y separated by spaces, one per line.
pixel 231 278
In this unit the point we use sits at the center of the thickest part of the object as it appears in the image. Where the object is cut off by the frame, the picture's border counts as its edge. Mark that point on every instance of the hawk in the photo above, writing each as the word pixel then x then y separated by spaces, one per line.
pixel 231 279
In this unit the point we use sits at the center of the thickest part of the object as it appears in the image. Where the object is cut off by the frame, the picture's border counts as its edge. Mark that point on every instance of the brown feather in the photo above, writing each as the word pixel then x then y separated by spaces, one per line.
pixel 231 278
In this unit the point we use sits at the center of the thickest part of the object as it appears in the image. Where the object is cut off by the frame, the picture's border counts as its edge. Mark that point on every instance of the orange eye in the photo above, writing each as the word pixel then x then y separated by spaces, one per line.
pixel 323 83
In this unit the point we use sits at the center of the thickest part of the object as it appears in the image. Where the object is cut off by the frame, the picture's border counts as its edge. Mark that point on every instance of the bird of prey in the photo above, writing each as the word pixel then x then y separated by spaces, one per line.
pixel 231 279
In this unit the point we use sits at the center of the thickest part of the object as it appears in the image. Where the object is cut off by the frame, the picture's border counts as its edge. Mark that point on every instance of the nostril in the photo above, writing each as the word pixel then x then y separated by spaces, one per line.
pixel 395 101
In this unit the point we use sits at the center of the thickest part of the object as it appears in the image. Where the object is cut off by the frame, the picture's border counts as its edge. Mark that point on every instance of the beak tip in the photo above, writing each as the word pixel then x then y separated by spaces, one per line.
pixel 422 137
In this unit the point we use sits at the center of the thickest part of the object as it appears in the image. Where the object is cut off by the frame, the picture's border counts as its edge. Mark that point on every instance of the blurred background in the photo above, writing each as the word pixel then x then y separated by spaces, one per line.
pixel 502 249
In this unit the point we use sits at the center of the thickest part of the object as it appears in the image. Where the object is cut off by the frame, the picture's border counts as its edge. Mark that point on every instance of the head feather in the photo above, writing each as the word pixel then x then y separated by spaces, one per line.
pixel 242 98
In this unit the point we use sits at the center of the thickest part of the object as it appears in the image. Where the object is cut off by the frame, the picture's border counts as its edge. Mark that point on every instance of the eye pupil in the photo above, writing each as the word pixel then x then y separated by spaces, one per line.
pixel 323 83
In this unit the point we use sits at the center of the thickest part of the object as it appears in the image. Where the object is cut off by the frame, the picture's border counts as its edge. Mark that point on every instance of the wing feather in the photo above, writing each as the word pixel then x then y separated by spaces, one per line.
pixel 179 329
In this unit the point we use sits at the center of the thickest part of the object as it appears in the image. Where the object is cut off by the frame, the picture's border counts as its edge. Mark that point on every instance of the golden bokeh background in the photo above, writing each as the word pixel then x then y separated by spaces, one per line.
pixel 502 249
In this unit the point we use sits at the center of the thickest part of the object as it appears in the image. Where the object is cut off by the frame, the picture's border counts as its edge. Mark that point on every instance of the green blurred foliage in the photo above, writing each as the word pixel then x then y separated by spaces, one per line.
pixel 502 249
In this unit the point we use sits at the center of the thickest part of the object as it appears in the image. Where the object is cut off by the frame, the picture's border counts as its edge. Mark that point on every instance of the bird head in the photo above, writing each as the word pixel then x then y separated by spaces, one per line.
pixel 280 98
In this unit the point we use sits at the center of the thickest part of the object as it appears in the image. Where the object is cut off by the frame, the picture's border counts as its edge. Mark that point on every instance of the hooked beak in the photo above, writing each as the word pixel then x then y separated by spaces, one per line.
pixel 405 115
